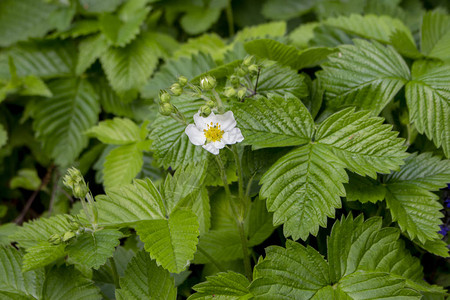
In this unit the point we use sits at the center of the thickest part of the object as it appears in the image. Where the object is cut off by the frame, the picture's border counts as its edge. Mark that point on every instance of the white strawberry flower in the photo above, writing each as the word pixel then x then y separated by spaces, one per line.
pixel 214 131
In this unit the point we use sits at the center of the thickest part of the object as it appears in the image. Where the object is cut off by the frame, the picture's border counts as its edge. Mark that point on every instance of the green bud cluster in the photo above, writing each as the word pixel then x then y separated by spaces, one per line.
pixel 242 79
pixel 75 181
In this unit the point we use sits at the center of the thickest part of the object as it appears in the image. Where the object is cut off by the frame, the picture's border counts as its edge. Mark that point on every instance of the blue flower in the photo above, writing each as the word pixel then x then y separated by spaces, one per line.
pixel 447 202
pixel 444 230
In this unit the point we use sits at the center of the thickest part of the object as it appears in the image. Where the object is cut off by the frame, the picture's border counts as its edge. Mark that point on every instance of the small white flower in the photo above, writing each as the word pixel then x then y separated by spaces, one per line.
pixel 214 131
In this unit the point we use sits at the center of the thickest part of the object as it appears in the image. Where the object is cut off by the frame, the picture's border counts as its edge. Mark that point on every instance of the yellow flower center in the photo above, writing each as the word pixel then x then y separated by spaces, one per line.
pixel 213 133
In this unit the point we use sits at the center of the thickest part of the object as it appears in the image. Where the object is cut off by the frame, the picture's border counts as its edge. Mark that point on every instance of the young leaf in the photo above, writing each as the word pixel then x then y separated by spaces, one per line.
pixel 118 131
pixel 92 249
pixel 145 280
pixel 428 97
pixel 61 120
pixel 274 121
pixel 435 35
pixel 368 72
pixel 362 142
pixel 171 241
pixel 288 55
pixel 229 285
pixel 306 184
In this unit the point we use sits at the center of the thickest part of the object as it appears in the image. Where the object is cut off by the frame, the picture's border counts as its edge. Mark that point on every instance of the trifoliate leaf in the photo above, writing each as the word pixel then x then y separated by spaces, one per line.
pixel 90 49
pixel 275 121
pixel 305 184
pixel 118 131
pixel 288 55
pixel 374 27
pixel 171 241
pixel 128 68
pixel 362 142
pixel 368 72
pixel 171 146
pixel 435 35
pixel 145 280
pixel 61 120
pixel 92 249
pixel 229 285
pixel 417 211
pixel 42 255
pixel 130 203
pixel 428 102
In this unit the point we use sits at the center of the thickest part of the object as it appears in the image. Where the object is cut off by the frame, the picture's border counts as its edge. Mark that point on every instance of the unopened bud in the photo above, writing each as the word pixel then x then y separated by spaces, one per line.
pixel 166 109
pixel 176 89
pixel 182 80
pixel 229 92
pixel 241 93
pixel 242 71
pixel 207 83
pixel 75 181
pixel 211 104
pixel 234 80
pixel 205 111
pixel 55 239
pixel 253 69
pixel 164 96
pixel 248 61
pixel 69 235
pixel 80 191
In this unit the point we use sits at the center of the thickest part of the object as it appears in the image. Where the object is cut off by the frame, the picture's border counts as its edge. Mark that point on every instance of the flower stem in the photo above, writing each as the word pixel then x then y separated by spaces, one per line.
pixel 237 159
pixel 238 217
pixel 230 19
pixel 220 106
pixel 114 272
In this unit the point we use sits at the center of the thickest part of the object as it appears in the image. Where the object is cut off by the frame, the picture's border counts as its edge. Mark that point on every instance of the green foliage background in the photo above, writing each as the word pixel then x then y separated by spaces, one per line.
pixel 345 161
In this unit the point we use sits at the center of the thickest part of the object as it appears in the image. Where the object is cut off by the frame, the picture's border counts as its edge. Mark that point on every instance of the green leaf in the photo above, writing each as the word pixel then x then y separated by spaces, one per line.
pixel 171 242
pixel 362 142
pixel 122 164
pixel 26 179
pixel 259 223
pixel 272 29
pixel 145 280
pixel 90 49
pixel 42 255
pixel 189 67
pixel 364 189
pixel 6 230
pixel 428 102
pixel 292 273
pixel 128 68
pixel 423 170
pixel 171 146
pixel 12 280
pixel 229 285
pixel 288 55
pixel 3 136
pixel 34 86
pixel 282 81
pixel 221 245
pixel 118 131
pixel 92 249
pixel 199 20
pixel 286 9
pixel 130 203
pixel 68 283
pixel 275 121
pixel 374 27
pixel 61 120
pixel 417 211
pixel 39 230
pixel 306 184
pixel 95 6
pixel 437 247
pixel 435 35
pixel 201 207
pixel 209 43
pixel 301 36
pixel 23 19
pixel 213 173
pixel 404 45
pixel 78 28
pixel 368 72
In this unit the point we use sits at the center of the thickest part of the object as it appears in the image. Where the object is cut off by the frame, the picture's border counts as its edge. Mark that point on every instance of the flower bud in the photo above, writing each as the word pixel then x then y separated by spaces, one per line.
pixel 164 96
pixel 54 239
pixel 166 109
pixel 176 89
pixel 205 111
pixel 242 71
pixel 253 69
pixel 211 104
pixel 241 93
pixel 80 191
pixel 229 92
pixel 182 80
pixel 75 181
pixel 234 80
pixel 248 61
pixel 69 235
pixel 207 83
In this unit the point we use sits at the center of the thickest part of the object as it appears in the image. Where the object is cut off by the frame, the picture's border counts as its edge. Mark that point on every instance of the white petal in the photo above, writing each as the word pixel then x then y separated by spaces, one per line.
pixel 226 121
pixel 201 122
pixel 219 144
pixel 211 148
pixel 233 136
pixel 196 136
